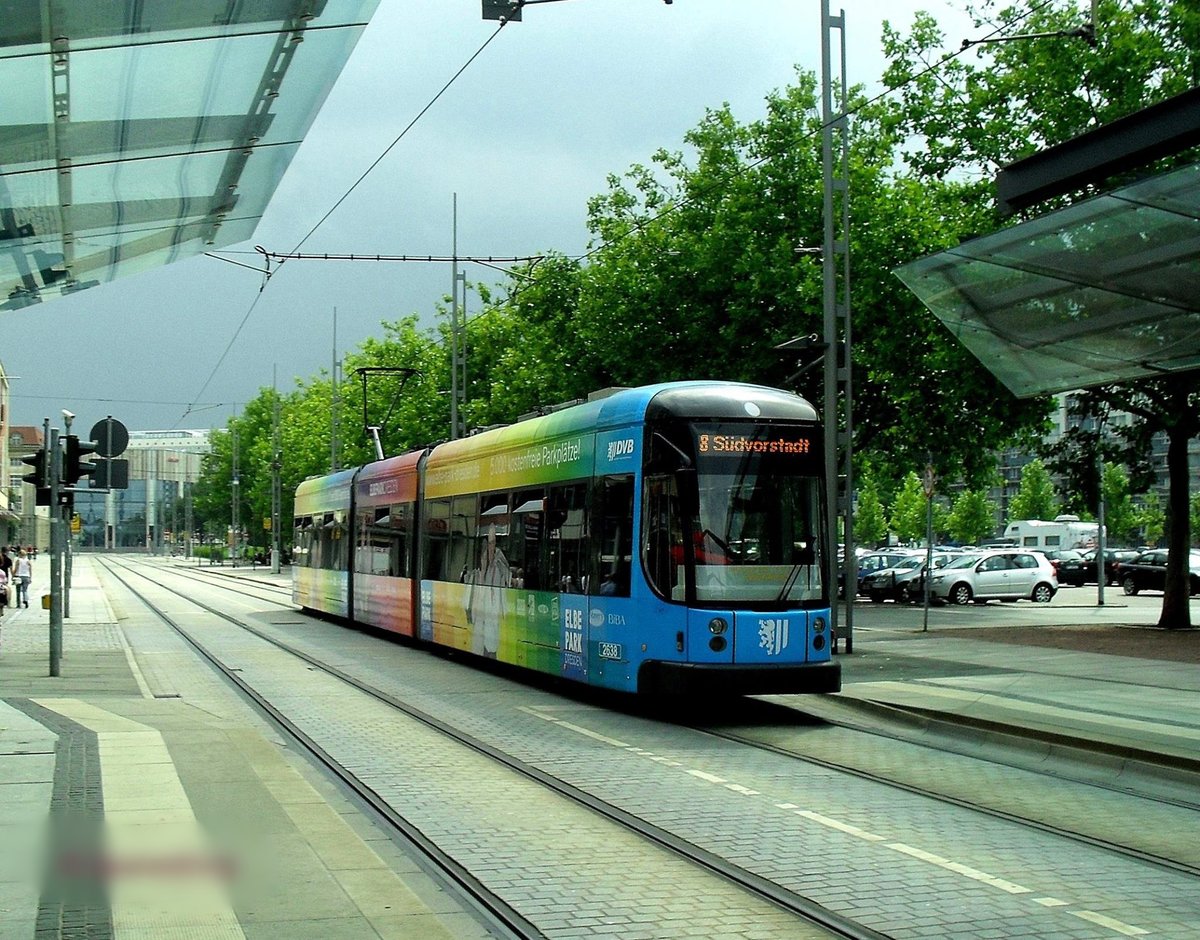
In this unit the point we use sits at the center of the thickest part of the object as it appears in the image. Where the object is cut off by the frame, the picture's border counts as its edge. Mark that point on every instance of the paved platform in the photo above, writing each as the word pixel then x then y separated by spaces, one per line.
pixel 132 769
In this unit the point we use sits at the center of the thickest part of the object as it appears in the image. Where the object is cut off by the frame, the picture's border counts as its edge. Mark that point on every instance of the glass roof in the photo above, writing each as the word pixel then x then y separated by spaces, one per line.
pixel 1103 291
pixel 136 134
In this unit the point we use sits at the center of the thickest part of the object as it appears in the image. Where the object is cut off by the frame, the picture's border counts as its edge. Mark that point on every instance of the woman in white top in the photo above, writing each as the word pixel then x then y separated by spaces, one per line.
pixel 23 572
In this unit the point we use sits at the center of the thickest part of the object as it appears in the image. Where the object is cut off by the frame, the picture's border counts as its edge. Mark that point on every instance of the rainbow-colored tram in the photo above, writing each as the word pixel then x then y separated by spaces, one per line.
pixel 663 539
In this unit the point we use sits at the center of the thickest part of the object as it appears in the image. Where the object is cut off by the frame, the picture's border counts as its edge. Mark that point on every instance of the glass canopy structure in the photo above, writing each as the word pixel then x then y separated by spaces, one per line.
pixel 134 134
pixel 1103 291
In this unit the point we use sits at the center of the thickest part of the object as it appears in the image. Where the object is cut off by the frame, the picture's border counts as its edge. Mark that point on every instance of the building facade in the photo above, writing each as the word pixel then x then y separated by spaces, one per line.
pixel 153 513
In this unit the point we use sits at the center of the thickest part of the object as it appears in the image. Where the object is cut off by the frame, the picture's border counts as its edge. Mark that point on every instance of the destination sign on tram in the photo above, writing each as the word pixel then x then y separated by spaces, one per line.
pixel 745 444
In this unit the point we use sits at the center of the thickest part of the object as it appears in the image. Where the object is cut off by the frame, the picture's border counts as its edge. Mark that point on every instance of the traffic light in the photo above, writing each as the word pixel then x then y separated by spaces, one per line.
pixel 75 467
pixel 110 473
pixel 38 477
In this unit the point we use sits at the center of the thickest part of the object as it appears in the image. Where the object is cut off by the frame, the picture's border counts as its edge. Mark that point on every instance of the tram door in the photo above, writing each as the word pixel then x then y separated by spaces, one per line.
pixel 662 546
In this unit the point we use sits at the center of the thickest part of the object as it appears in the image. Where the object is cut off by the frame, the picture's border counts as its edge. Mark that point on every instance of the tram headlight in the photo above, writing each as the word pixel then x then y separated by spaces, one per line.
pixel 818 624
pixel 717 644
pixel 717 626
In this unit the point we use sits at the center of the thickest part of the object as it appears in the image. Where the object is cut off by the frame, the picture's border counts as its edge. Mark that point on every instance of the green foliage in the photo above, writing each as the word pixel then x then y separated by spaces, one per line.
pixel 1151 520
pixel 909 510
pixel 1005 100
pixel 976 113
pixel 973 517
pixel 1120 515
pixel 870 523
pixel 1035 498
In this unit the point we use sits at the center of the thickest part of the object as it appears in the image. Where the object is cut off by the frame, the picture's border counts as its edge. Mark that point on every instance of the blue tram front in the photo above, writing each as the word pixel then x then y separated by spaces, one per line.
pixel 731 547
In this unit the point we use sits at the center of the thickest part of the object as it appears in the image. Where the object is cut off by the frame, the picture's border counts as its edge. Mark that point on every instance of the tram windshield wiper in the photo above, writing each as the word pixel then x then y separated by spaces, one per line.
pixel 789 583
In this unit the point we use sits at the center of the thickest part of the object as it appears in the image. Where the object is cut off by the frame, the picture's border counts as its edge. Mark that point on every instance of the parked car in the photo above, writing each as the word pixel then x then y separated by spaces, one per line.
pixel 904 581
pixel 1058 556
pixel 1082 570
pixel 1148 572
pixel 878 561
pixel 1006 575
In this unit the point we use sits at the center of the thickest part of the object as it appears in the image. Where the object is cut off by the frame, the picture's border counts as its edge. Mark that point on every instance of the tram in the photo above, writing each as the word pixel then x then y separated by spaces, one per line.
pixel 664 540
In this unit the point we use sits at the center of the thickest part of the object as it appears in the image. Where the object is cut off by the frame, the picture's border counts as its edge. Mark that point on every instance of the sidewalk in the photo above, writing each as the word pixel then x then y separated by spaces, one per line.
pixel 1131 692
pixel 172 812
pixel 139 799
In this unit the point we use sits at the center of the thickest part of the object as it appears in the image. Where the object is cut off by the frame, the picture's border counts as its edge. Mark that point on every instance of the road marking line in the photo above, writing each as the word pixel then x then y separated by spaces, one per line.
pixel 143 687
pixel 972 873
pixel 1120 927
pixel 584 731
pixel 1051 902
pixel 738 788
pixel 594 735
pixel 711 778
pixel 840 826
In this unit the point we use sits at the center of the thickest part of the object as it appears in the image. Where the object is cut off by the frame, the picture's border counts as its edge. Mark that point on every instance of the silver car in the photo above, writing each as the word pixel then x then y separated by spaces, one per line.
pixel 1007 575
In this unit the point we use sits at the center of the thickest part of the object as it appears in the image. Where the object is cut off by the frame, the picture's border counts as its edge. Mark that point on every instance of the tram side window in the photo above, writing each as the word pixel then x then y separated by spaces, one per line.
pixel 402 515
pixel 332 539
pixel 525 541
pixel 491 558
pixel 437 541
pixel 567 529
pixel 612 552
pixel 302 542
pixel 382 543
pixel 462 549
pixel 662 544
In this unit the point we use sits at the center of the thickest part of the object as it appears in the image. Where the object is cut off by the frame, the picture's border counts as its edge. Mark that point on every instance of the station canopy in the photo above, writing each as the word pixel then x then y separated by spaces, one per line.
pixel 135 134
pixel 1106 290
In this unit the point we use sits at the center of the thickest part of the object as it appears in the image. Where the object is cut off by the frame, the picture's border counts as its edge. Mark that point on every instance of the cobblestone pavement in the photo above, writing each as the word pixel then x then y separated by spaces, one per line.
pixel 1179 646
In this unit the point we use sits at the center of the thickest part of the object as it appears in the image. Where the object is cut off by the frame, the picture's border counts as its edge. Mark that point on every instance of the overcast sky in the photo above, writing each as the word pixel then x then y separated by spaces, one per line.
pixel 525 136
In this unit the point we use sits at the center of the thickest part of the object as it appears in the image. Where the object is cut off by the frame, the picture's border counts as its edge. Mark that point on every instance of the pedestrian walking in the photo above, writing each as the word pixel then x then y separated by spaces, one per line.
pixel 3 590
pixel 24 573
pixel 6 565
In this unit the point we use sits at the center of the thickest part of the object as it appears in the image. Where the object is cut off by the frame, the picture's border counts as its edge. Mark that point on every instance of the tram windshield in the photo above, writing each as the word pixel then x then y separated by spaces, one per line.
pixel 753 517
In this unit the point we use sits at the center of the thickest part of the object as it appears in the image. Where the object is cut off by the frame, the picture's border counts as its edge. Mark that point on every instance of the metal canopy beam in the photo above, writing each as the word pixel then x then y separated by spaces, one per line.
pixel 80 140
pixel 1158 131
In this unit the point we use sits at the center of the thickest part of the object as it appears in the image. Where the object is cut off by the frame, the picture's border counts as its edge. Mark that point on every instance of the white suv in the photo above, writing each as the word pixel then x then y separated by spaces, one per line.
pixel 1007 575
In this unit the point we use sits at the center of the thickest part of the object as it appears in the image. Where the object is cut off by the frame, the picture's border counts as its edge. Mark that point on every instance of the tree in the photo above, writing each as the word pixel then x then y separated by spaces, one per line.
pixel 909 510
pixel 1120 515
pixel 962 121
pixel 973 517
pixel 1151 520
pixel 1035 498
pixel 870 524
pixel 702 261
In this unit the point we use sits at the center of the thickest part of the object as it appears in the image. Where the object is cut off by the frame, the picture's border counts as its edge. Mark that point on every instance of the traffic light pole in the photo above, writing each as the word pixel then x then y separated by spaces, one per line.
pixel 56 540
pixel 65 512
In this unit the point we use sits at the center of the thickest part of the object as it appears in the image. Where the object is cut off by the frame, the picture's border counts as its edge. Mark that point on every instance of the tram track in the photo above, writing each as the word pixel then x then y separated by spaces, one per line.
pixel 203 575
pixel 827 921
pixel 931 793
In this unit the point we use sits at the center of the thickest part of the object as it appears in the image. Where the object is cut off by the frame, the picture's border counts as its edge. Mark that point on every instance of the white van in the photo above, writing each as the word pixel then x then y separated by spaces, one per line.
pixel 1063 532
